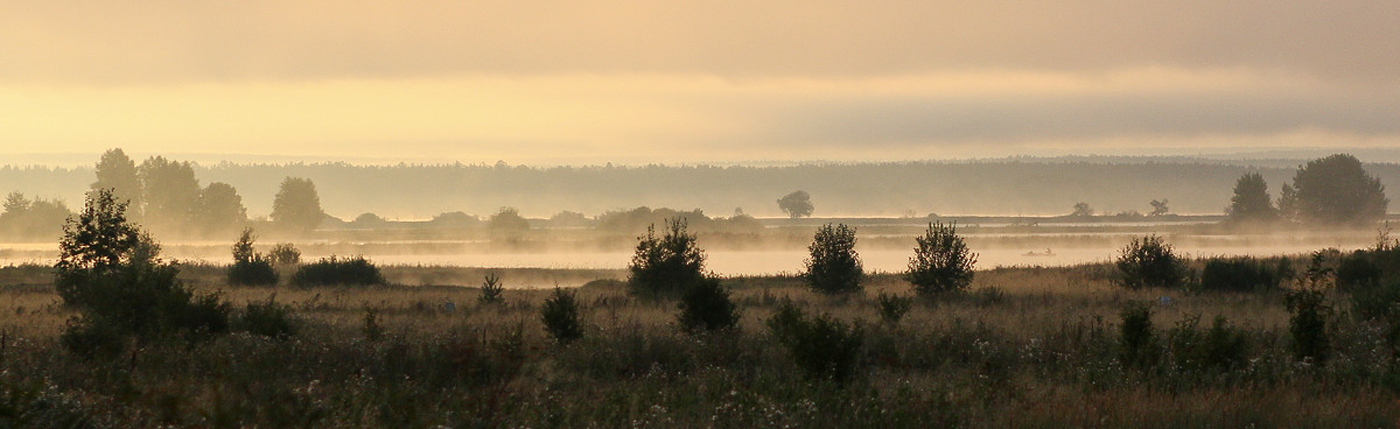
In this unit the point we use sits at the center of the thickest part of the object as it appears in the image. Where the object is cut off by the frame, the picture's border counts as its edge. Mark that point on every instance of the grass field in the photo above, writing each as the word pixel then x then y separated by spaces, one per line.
pixel 1029 347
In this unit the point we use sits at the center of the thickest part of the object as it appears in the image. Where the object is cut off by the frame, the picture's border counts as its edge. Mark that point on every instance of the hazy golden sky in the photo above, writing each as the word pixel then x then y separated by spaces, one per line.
pixel 686 81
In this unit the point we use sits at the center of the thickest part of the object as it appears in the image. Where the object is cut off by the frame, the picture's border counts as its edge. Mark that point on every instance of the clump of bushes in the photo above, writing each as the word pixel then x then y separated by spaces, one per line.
pixel 561 317
pixel 941 263
pixel 706 306
pixel 1244 274
pixel 284 254
pixel 834 267
pixel 667 265
pixel 1150 262
pixel 823 347
pixel 355 271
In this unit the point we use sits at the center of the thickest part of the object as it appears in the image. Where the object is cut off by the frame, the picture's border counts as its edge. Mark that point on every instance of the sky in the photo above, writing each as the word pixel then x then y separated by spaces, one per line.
pixel 631 81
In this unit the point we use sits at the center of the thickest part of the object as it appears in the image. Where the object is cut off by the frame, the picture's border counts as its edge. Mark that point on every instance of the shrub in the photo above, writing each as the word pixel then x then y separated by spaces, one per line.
pixel 1150 262
pixel 1220 348
pixel 284 254
pixel 1242 274
pixel 257 272
pixel 941 262
pixel 332 271
pixel 1307 324
pixel 706 306
pixel 666 265
pixel 824 348
pixel 834 267
pixel 492 290
pixel 373 325
pixel 894 307
pixel 268 319
pixel 1375 302
pixel 560 316
pixel 1137 339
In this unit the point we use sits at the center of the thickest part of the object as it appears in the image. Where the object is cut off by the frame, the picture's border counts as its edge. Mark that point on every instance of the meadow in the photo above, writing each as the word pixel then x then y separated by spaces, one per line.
pixel 1027 347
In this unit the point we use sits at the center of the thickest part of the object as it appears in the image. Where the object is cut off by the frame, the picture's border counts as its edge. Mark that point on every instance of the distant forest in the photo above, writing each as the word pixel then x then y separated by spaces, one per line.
pixel 1028 187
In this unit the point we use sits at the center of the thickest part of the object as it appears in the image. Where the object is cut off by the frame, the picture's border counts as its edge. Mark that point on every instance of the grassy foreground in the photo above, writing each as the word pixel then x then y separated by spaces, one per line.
pixel 1030 347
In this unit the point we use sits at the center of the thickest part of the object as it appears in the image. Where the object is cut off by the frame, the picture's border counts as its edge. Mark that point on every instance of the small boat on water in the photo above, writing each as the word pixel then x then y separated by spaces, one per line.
pixel 1035 253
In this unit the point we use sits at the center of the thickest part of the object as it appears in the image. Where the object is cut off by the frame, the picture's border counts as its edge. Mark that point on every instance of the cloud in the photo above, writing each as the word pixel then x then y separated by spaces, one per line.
pixel 180 41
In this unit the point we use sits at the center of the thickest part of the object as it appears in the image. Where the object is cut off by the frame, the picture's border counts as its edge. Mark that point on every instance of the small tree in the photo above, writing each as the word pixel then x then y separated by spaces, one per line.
pixel 1159 208
pixel 250 268
pixel 665 265
pixel 96 244
pixel 834 267
pixel 1150 262
pixel 492 290
pixel 560 316
pixel 797 204
pixel 941 262
pixel 112 276
pixel 705 306
pixel 1082 209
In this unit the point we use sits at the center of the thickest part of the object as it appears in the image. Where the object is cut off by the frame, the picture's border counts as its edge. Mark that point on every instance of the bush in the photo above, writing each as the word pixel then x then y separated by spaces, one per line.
pixel 824 348
pixel 706 306
pixel 941 263
pixel 560 316
pixel 894 307
pixel 1375 302
pixel 834 267
pixel 1138 341
pixel 666 265
pixel 492 290
pixel 257 272
pixel 373 325
pixel 284 254
pixel 1307 324
pixel 268 319
pixel 1220 348
pixel 1150 262
pixel 1242 274
pixel 331 271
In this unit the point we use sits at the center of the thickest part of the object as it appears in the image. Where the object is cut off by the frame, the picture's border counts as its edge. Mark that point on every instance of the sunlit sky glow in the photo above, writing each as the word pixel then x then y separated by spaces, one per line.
pixel 636 81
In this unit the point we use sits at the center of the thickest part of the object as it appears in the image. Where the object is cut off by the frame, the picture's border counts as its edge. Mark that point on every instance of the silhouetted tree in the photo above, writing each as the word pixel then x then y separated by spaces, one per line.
pixel 1159 208
pixel 118 172
pixel 508 224
pixel 220 209
pixel 170 192
pixel 297 207
pixel 797 204
pixel 941 263
pixel 1251 200
pixel 834 267
pixel 1337 190
pixel 666 265
pixel 1082 209
pixel 26 219
pixel 109 271
pixel 1288 203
